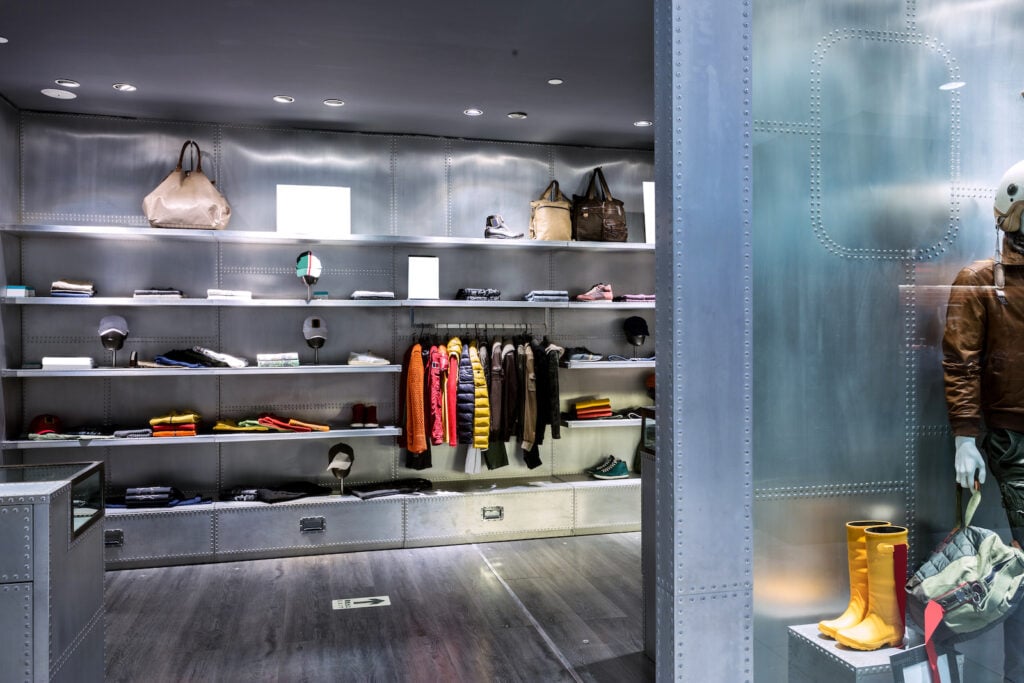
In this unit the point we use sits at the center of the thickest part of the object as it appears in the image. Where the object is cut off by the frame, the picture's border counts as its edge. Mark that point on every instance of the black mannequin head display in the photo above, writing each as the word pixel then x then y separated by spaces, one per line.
pixel 636 330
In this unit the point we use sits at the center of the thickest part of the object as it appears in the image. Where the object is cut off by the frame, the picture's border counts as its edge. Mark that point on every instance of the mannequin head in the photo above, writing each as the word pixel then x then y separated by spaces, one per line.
pixel 308 267
pixel 1009 204
pixel 113 330
pixel 636 330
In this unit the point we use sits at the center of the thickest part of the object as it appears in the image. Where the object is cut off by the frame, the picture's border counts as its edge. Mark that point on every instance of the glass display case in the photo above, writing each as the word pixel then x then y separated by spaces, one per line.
pixel 87 485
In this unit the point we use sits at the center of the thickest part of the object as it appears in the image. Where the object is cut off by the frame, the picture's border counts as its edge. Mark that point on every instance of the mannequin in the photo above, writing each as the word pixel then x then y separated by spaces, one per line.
pixel 983 364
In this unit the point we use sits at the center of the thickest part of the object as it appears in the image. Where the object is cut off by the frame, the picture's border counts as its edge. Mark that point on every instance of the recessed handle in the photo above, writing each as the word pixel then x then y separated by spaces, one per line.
pixel 312 525
pixel 113 538
pixel 495 513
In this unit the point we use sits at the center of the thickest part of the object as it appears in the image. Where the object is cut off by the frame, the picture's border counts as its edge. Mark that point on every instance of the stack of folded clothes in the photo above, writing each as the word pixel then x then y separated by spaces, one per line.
pixel 476 294
pixel 590 409
pixel 67 287
pixel 289 359
pixel 635 298
pixel 229 294
pixel 547 295
pixel 250 425
pixel 199 357
pixel 158 293
pixel 367 294
pixel 175 424
pixel 278 493
pixel 282 424
pixel 153 497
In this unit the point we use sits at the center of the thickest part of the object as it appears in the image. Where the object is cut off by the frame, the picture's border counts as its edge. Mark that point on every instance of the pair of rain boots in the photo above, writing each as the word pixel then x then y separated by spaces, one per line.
pixel 364 416
pixel 873 619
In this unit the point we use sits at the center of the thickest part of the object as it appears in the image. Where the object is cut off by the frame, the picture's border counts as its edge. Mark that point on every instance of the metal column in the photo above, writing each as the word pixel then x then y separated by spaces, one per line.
pixel 704 376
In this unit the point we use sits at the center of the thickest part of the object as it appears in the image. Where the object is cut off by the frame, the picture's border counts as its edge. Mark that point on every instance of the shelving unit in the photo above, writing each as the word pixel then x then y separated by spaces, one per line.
pixel 554 500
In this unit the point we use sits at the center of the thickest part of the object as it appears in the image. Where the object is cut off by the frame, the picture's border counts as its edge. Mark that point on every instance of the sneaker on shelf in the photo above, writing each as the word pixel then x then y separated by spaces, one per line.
pixel 618 470
pixel 607 462
pixel 583 353
pixel 496 229
pixel 371 418
pixel 365 358
pixel 599 292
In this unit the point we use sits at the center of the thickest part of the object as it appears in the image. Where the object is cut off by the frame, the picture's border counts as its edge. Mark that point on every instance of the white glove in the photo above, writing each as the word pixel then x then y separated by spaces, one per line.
pixel 968 460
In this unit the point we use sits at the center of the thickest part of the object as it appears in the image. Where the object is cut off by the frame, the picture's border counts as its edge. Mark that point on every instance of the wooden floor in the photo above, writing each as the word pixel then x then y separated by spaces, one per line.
pixel 560 609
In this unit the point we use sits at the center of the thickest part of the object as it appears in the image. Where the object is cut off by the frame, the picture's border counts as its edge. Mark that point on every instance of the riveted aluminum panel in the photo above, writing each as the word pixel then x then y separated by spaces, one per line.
pixel 16 538
pixel 256 464
pixel 606 506
pixel 246 531
pixel 159 538
pixel 814 658
pixel 441 518
pixel 17 626
pixel 10 152
pixel 421 187
pixel 494 178
pixel 94 170
pixel 84 661
pixel 256 160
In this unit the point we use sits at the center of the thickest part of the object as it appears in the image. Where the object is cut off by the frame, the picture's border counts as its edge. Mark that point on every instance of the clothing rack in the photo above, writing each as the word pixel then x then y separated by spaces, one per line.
pixel 525 327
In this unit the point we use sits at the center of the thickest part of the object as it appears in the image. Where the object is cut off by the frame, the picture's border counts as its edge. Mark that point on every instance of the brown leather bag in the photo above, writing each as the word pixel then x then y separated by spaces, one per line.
pixel 550 217
pixel 187 199
pixel 598 218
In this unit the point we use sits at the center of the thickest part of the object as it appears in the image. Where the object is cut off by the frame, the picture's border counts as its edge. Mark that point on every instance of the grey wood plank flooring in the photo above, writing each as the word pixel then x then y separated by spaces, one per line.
pixel 557 609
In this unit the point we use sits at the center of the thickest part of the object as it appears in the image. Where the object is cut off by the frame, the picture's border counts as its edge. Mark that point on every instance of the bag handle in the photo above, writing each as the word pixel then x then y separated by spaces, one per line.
pixel 599 174
pixel 199 156
pixel 558 196
pixel 963 516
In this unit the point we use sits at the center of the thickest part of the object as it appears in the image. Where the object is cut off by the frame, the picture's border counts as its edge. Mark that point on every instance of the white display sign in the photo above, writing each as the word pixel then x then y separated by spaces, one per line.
pixel 356 603
pixel 319 210
pixel 424 277
pixel 649 211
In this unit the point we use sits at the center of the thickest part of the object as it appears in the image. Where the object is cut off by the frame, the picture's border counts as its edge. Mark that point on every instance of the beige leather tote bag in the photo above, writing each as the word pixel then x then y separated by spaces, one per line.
pixel 550 215
pixel 187 199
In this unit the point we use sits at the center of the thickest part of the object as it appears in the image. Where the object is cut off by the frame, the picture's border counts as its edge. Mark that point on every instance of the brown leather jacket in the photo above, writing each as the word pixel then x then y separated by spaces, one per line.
pixel 983 348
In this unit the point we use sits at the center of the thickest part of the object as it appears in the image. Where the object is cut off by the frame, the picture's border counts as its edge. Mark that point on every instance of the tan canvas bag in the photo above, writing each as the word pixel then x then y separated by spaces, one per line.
pixel 187 199
pixel 551 215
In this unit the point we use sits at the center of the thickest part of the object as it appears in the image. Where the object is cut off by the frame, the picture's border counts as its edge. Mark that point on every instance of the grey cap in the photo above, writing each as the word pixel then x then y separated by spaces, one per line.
pixel 314 327
pixel 113 323
pixel 341 458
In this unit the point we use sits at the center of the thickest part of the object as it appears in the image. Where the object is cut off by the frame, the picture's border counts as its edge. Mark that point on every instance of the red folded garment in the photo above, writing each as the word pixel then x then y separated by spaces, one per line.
pixel 176 432
pixel 278 423
pixel 190 426
pixel 591 414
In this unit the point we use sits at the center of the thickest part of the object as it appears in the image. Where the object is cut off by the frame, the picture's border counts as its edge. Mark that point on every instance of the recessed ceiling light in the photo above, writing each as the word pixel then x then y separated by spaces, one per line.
pixel 58 94
pixel 67 83
pixel 334 103
pixel 952 85
pixel 555 81
pixel 516 114
pixel 3 40
pixel 473 112
pixel 283 99
pixel 643 124
pixel 125 87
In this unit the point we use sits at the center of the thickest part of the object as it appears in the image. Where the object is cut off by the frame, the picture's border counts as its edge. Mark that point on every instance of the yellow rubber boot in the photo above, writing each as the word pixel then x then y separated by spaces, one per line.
pixel 857 557
pixel 882 626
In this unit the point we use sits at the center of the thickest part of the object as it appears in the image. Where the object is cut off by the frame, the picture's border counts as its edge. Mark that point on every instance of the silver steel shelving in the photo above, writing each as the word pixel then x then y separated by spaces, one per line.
pixel 313 303
pixel 610 364
pixel 201 372
pixel 29 444
pixel 600 423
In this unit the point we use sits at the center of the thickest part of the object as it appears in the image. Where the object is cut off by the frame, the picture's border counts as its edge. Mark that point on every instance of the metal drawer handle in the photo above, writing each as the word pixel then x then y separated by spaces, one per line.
pixel 113 538
pixel 312 525
pixel 495 513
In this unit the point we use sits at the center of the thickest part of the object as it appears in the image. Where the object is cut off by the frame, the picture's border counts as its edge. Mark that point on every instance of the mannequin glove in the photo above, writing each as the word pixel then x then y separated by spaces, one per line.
pixel 968 461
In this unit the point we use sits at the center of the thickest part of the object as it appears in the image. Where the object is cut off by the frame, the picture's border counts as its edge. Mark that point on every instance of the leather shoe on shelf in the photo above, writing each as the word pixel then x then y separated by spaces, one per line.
pixel 496 229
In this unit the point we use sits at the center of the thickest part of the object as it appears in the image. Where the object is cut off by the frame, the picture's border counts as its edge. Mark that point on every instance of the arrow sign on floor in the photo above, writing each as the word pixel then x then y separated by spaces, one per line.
pixel 354 603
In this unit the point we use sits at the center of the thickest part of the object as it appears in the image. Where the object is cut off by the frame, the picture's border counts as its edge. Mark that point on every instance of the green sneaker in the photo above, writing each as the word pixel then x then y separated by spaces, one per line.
pixel 607 462
pixel 619 470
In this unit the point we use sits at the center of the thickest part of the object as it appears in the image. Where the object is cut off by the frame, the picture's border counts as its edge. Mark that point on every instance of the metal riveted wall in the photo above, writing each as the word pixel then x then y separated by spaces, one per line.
pixel 703 85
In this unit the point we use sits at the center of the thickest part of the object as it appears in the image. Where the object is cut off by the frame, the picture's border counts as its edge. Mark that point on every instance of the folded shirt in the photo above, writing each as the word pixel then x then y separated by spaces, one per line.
pixel 228 294
pixel 141 433
pixel 225 425
pixel 478 294
pixel 366 294
pixel 546 297
pixel 158 292
pixel 175 432
pixel 548 292
pixel 175 418
pixel 230 361
pixel 593 403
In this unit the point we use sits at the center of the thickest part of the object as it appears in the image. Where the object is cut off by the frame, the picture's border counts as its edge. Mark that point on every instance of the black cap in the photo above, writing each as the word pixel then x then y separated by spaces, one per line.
pixel 636 330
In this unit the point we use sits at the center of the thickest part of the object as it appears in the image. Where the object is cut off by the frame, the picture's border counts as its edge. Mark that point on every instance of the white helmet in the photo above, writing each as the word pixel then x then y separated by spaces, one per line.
pixel 1009 201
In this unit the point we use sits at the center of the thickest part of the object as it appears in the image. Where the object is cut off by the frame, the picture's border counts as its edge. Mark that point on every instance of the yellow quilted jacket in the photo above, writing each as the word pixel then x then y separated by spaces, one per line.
pixel 481 404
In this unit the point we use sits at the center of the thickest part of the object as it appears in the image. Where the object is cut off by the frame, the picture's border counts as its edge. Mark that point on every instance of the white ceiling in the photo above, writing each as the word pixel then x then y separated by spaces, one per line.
pixel 401 66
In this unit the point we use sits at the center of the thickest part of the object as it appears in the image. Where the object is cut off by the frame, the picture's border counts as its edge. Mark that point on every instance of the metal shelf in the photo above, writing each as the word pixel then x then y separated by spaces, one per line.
pixel 600 423
pixel 609 364
pixel 202 372
pixel 268 237
pixel 29 444
pixel 313 303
